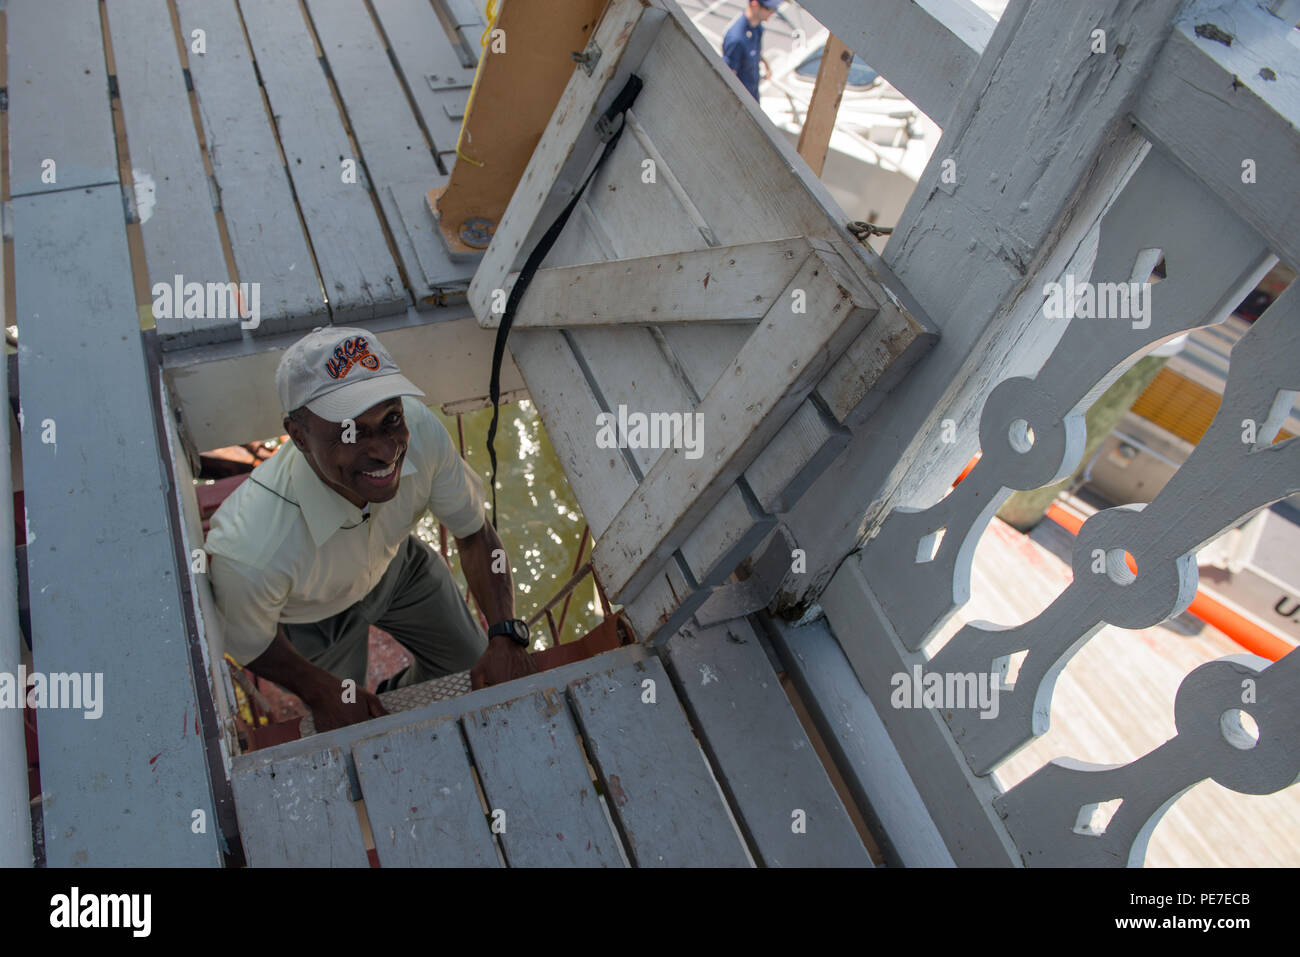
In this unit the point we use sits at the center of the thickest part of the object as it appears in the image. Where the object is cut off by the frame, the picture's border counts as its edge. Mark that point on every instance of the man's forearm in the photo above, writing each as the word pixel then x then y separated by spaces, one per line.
pixel 487 570
pixel 283 664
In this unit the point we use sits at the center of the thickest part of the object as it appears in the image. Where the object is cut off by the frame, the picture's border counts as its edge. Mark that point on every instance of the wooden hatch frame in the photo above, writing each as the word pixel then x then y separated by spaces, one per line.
pixel 826 315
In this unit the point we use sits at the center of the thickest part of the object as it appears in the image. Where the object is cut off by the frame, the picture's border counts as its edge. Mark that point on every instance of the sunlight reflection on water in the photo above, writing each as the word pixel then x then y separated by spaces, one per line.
pixel 540 523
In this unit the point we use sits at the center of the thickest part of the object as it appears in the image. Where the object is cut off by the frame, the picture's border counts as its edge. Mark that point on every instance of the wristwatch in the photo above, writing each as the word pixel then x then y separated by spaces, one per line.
pixel 516 628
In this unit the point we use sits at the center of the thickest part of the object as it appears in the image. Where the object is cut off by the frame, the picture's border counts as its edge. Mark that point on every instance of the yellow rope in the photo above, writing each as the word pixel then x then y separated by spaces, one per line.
pixel 492 13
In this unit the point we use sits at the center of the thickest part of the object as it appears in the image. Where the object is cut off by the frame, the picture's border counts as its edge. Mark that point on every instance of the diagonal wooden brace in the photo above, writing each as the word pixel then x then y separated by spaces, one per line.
pixel 816 316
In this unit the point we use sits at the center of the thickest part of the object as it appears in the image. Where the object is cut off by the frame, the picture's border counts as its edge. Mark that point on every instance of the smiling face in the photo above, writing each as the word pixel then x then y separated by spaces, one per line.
pixel 365 470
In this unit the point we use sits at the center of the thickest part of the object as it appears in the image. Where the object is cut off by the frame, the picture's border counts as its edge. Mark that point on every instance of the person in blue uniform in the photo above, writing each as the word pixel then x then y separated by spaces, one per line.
pixel 742 47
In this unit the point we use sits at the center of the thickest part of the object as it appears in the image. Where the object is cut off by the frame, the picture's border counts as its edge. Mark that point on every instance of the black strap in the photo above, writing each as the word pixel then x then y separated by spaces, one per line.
pixel 610 134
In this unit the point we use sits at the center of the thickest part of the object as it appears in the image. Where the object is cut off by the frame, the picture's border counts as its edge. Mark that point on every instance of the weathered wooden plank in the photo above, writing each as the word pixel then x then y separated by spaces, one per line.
pixel 958 802
pixel 864 753
pixel 434 74
pixel 926 49
pixel 360 278
pixel 726 535
pixel 660 789
pixel 173 200
pixel 666 603
pixel 462 14
pixel 536 782
pixel 723 284
pixel 421 799
pixel 58 98
pixel 770 563
pixel 872 364
pixel 453 708
pixel 466 23
pixel 766 763
pixel 819 121
pixel 298 813
pixel 101 566
pixel 1205 91
pixel 256 198
pixel 795 456
pixel 762 387
pixel 396 154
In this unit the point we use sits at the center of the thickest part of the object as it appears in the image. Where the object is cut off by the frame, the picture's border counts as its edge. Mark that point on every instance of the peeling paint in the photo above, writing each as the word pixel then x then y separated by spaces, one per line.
pixel 146 192
pixel 616 792
pixel 1208 31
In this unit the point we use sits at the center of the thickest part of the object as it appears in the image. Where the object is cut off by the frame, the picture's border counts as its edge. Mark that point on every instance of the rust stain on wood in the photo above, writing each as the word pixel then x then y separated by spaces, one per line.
pixel 616 790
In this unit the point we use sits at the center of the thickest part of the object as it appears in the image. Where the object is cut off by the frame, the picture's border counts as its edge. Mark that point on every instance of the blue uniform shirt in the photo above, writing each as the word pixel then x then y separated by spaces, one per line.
pixel 742 48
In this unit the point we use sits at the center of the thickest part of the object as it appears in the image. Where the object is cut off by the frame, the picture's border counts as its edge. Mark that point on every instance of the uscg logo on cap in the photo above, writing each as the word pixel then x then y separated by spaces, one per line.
pixel 350 352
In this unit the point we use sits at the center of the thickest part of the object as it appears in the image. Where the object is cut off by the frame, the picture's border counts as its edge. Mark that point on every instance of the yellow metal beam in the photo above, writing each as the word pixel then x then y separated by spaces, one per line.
pixel 525 65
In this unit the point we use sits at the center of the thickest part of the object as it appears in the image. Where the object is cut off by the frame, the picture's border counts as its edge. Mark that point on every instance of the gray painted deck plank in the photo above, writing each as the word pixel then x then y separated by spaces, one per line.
pixel 255 195
pixel 396 154
pixel 763 757
pixel 120 789
pixel 177 222
pixel 483 698
pixel 466 22
pixel 531 767
pixel 58 97
pixel 659 788
pixel 438 82
pixel 360 278
pixel 857 739
pixel 421 798
pixel 297 813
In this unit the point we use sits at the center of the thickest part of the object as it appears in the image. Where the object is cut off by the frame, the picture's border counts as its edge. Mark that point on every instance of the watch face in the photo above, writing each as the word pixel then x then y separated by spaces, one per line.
pixel 516 628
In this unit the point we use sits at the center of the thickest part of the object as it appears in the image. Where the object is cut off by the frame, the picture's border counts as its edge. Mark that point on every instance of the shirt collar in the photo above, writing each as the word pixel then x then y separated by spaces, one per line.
pixel 325 510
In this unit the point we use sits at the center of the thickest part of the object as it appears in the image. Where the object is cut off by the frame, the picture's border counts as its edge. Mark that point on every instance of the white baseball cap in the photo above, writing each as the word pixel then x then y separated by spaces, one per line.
pixel 338 372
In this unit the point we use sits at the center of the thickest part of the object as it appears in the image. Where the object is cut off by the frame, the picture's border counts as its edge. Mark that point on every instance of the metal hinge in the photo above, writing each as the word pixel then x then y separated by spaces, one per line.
pixel 588 58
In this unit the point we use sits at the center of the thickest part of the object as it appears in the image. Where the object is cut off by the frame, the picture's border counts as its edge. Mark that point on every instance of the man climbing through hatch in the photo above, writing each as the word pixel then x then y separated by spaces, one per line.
pixel 742 46
pixel 318 544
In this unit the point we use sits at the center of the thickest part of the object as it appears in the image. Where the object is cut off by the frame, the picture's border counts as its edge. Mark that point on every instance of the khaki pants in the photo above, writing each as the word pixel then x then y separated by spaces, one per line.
pixel 418 603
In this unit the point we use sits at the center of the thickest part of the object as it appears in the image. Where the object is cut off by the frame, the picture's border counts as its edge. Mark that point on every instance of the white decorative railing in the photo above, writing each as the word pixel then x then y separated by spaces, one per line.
pixel 913 567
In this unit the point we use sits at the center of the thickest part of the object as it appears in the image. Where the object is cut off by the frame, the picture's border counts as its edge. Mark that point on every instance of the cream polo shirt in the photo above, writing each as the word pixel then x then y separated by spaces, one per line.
pixel 287 548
